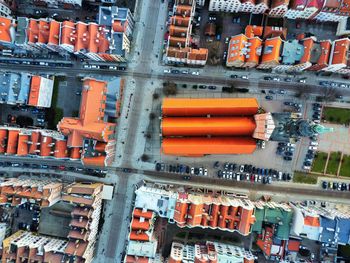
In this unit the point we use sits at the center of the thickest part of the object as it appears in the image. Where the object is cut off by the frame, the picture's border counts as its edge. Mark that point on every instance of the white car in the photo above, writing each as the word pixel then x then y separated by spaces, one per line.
pixel 205 172
pixel 263 145
pixel 238 177
pixel 313 148
pixel 244 77
pixel 241 168
pixel 306 167
pixel 291 144
pixel 200 171
pixel 113 67
pixel 280 176
pixel 87 66
pixel 313 143
pixel 196 73
pixel 184 71
pixel 95 66
pixel 167 71
pixel 192 170
pixel 302 80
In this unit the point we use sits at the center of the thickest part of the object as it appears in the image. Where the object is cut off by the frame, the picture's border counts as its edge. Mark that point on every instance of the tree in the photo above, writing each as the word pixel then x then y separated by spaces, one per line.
pixel 144 157
pixel 155 96
pixel 194 87
pixel 152 116
pixel 169 88
pixel 184 86
pixel 148 135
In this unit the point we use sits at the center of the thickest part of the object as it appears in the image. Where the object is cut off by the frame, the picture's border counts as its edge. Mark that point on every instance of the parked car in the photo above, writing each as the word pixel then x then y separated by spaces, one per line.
pixel 269 97
pixel 324 185
pixel 287 158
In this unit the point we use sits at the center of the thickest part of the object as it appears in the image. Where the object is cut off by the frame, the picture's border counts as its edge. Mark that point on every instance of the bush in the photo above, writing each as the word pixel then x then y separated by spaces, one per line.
pixel 155 96
pixel 170 89
pixel 152 116
pixel 144 157
pixel 184 86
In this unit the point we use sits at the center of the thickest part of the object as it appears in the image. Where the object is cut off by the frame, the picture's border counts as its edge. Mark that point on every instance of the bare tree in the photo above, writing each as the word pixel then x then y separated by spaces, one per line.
pixel 169 88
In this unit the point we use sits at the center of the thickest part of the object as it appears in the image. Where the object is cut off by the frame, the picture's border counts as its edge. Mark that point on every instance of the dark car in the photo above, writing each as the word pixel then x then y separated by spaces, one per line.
pixel 344 186
pixel 272 92
pixel 324 185
pixel 307 163
pixel 287 158
pixel 281 149
pixel 158 166
pixel 202 86
pixel 310 156
pixel 234 76
pixel 196 171
pixel 335 186
pixel 216 164
pixel 282 144
pixel 267 78
pixel 175 71
pixel 269 97
pixel 288 153
pixel 187 169
pixel 313 138
pixel 212 87
pixel 128 170
pixel 186 177
pixel 170 168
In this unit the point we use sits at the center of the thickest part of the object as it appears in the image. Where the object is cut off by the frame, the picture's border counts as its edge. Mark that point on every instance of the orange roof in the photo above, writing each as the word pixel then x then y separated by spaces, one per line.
pixel 312 221
pixel 94 161
pixel 82 40
pixel 44 31
pixel 308 44
pixel 345 7
pixel 5 29
pixel 272 49
pixel 33 30
pixel 34 138
pixel 3 136
pixel 98 43
pixel 204 146
pixel 202 126
pixel 326 47
pixel 180 21
pixel 139 236
pixel 136 224
pixel 60 149
pixel 68 33
pixel 252 31
pixel 340 51
pixel 90 123
pixel 237 43
pixel 12 141
pixel 45 145
pixel 22 147
pixel 293 245
pixel 34 90
pixel 54 32
pixel 139 213
pixel 204 107
pixel 276 3
pixel 255 50
pixel 132 259
pixel 75 153
pixel 180 213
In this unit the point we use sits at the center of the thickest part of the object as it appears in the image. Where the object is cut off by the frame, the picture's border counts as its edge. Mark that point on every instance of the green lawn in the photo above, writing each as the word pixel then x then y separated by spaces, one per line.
pixel 333 163
pixel 345 167
pixel 336 115
pixel 319 162
pixel 304 178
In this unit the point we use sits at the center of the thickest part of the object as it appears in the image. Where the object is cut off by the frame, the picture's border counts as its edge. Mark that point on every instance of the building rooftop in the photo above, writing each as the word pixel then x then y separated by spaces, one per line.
pixel 292 52
pixel 272 50
pixel 7 30
pixel 14 87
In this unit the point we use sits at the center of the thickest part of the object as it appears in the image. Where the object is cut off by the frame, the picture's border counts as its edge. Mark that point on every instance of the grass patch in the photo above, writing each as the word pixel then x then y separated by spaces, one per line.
pixel 304 178
pixel 319 162
pixel 345 166
pixel 54 114
pixel 336 115
pixel 333 163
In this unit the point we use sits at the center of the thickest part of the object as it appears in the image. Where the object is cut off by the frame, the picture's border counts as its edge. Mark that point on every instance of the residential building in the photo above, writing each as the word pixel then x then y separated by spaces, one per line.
pixel 179 49
pixel 320 55
pixel 271 53
pixel 14 87
pixel 5 8
pixel 87 199
pixel 7 28
pixel 232 6
pixel 40 93
pixel 329 11
pixel 292 54
pixel 207 252
pixel 60 3
pixel 247 6
pixel 302 9
pixel 200 2
pixel 278 8
pixel 17 191
pixel 339 56
pixel 261 6
pixel 90 133
pixel 343 28
pixel 243 51
pixel 120 24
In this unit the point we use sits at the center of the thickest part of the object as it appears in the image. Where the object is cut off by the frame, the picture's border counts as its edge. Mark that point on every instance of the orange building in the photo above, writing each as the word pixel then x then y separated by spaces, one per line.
pixel 271 54
pixel 90 126
pixel 7 26
pixel 199 126
pixel 321 60
pixel 214 107
pixel 40 94
pixel 197 146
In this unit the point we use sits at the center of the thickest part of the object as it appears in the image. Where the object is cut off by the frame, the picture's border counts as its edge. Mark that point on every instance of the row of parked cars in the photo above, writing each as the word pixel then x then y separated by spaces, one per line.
pixel 90 171
pixel 296 106
pixel 286 150
pixel 248 172
pixel 338 186
pixel 316 115
pixel 334 84
pixel 34 224
pixel 287 79
pixel 181 169
pixel 184 71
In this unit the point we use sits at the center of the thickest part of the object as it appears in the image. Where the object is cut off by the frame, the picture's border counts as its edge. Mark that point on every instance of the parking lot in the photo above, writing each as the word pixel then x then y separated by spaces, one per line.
pixel 261 158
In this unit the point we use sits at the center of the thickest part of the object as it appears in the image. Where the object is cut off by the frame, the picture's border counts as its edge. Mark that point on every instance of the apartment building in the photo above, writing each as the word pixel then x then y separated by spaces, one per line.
pixel 339 57
pixel 320 55
pixel 271 53
pixel 59 3
pixel 278 8
pixel 329 11
pixel 40 94
pixel 17 191
pixel 179 48
pixel 302 9
pixel 232 6
pixel 208 252
pixel 261 6
pixel 89 134
pixel 5 8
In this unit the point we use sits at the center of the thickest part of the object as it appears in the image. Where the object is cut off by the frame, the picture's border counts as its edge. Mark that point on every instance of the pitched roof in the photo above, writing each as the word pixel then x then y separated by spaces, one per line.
pixel 6 26
pixel 340 51
pixel 272 49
